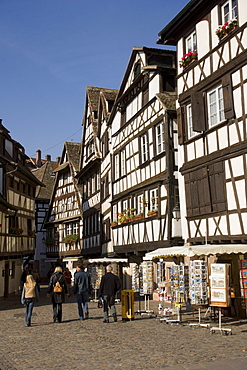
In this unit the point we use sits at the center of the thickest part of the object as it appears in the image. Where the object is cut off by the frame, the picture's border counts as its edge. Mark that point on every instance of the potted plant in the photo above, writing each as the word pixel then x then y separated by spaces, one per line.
pixel 31 232
pixel 71 239
pixel 152 212
pixel 15 230
pixel 227 28
pixel 188 58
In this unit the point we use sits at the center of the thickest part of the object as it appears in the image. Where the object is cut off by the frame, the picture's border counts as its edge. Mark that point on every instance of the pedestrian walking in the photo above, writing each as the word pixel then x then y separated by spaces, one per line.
pixel 28 296
pixel 57 288
pixel 68 277
pixel 109 286
pixel 82 287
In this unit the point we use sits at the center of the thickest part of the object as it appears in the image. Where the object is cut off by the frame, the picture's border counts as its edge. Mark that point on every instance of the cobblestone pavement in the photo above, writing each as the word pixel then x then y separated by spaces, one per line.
pixel 143 343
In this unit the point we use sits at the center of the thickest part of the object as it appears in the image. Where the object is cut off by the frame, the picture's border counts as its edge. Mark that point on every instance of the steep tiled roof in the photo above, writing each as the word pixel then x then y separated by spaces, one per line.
pixel 45 175
pixel 168 100
pixel 73 153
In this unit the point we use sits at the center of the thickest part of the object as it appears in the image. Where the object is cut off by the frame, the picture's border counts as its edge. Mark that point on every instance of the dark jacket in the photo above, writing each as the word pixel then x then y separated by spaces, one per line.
pixel 57 297
pixel 82 282
pixel 109 285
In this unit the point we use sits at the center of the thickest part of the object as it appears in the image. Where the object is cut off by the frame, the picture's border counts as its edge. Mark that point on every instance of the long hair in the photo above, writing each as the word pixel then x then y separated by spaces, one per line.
pixel 58 269
pixel 30 282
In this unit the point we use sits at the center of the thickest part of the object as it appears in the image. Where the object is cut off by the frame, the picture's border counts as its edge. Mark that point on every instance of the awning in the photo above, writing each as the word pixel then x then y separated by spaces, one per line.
pixel 196 250
pixel 107 260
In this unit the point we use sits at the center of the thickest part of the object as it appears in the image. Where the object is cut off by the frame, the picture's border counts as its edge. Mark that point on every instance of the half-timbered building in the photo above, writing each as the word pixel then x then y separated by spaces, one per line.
pixel 144 156
pixel 211 39
pixel 64 221
pixel 17 212
pixel 94 172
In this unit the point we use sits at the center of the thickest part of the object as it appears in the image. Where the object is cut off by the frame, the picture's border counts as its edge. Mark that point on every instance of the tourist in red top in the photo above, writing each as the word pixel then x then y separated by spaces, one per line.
pixel 68 277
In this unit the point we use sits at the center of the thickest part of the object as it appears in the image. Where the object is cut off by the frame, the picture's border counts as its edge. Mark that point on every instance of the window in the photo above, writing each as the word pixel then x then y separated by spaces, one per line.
pixel 145 96
pixel 120 164
pixel 123 163
pixel 191 42
pixel 229 10
pixel 191 132
pixel 215 106
pixel 144 148
pixel 159 138
pixel 93 184
pixel 137 69
pixel 154 199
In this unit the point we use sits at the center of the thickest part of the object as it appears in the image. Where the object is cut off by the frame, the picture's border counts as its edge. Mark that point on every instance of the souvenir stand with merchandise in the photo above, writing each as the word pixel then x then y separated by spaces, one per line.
pixel 243 282
pixel 142 283
pixel 220 291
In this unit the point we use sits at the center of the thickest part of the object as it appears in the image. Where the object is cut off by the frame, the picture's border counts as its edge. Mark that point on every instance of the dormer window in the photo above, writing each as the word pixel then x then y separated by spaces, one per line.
pixel 229 10
pixel 191 42
pixel 137 69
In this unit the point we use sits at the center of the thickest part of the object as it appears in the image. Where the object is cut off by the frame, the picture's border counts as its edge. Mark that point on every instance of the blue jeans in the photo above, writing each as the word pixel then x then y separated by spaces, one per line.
pixel 29 309
pixel 82 299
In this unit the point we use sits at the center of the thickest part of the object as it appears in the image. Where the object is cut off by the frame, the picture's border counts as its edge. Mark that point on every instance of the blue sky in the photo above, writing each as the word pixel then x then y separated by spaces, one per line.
pixel 52 49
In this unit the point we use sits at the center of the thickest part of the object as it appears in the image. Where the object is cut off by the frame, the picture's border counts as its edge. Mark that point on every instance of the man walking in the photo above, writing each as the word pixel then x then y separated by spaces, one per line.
pixel 82 285
pixel 109 286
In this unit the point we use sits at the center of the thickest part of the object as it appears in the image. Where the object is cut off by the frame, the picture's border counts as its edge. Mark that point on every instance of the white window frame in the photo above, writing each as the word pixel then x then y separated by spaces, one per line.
pixel 116 166
pixel 144 148
pixel 191 133
pixel 123 162
pixel 231 12
pixel 215 106
pixel 190 42
pixel 154 199
pixel 93 184
pixel 159 138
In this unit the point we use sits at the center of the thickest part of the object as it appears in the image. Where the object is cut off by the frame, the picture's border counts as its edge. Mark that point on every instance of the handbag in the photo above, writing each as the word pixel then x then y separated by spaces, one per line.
pixel 58 288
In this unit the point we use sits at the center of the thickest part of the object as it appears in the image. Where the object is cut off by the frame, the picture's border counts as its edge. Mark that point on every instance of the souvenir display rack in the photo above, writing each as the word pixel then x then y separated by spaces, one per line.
pixel 243 282
pixel 198 282
pixel 179 277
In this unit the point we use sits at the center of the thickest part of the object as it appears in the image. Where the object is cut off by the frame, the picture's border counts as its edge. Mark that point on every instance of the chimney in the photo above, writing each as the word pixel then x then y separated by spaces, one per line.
pixel 58 159
pixel 48 158
pixel 38 158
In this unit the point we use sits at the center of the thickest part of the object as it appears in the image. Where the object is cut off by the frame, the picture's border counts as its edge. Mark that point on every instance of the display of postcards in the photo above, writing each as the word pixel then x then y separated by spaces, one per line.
pixel 245 293
pixel 218 295
pixel 217 282
pixel 243 264
pixel 244 283
pixel 244 274
pixel 217 269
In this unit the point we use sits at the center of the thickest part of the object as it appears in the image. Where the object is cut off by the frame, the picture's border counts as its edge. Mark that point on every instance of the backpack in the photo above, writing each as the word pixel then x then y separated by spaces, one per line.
pixel 58 288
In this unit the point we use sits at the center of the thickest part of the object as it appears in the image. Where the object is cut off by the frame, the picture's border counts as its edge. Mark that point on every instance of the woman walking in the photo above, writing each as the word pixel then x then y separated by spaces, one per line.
pixel 29 293
pixel 57 294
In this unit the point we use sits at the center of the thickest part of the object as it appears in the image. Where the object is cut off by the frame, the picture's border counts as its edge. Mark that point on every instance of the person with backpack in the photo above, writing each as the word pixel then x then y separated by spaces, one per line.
pixel 58 289
pixel 82 287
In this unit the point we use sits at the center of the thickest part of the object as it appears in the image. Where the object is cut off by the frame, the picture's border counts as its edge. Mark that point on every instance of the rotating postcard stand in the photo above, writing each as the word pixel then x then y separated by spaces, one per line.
pixel 220 292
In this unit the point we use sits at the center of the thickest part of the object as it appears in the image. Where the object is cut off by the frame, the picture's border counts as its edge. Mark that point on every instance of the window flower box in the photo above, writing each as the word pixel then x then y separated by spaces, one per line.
pixel 138 217
pixel 228 27
pixel 71 239
pixel 15 231
pixel 114 223
pixel 152 213
pixel 188 58
pixel 31 232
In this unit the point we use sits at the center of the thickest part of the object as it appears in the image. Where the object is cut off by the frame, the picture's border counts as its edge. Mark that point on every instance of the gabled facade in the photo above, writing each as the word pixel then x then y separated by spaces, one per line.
pixel 94 175
pixel 212 107
pixel 144 155
pixel 211 39
pixel 17 212
pixel 64 223
pixel 42 199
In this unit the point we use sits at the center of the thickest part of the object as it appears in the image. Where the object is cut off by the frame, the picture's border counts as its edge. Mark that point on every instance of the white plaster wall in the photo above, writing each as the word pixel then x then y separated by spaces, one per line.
pixel 242 12
pixel 214 26
pixel 199 148
pixel 153 86
pixel 235 228
pixel 180 53
pixel 202 32
pixel 223 142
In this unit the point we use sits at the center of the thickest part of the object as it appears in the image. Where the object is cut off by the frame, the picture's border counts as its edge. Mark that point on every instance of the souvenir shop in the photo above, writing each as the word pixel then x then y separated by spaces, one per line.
pixel 210 275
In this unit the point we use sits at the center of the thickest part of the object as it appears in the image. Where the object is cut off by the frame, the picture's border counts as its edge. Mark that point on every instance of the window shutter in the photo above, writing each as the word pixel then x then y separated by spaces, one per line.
pixel 227 96
pixel 197 109
pixel 180 123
